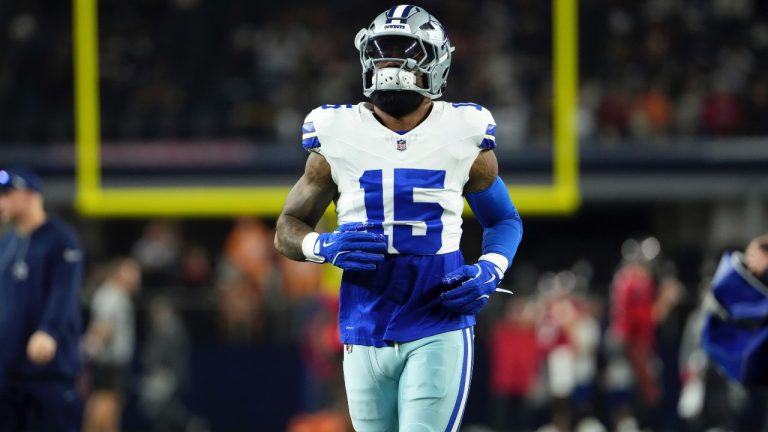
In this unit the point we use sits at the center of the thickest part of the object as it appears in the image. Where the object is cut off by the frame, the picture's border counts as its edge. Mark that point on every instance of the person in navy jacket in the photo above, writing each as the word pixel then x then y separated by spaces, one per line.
pixel 41 265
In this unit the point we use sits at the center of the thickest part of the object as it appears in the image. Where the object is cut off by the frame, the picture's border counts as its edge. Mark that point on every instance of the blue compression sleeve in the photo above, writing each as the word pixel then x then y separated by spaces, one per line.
pixel 502 226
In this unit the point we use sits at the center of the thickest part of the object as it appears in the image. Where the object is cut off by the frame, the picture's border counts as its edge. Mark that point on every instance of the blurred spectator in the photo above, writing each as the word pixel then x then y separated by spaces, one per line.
pixel 109 344
pixel 241 307
pixel 722 113
pixel 300 279
pixel 652 115
pixel 757 107
pixel 636 310
pixel 196 268
pixel 268 70
pixel 555 332
pixel 165 357
pixel 614 112
pixel 246 270
pixel 585 337
pixel 515 362
pixel 688 106
pixel 321 351
pixel 249 250
pixel 326 421
pixel 157 252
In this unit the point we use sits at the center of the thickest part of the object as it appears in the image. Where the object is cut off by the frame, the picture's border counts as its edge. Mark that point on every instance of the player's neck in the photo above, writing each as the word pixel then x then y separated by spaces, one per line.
pixel 408 121
pixel 31 221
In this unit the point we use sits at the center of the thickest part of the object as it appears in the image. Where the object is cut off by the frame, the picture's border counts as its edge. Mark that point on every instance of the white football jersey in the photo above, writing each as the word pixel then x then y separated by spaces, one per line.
pixel 411 183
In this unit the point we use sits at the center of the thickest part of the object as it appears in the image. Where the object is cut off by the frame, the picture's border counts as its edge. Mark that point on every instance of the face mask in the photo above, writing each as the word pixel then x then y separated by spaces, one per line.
pixel 397 103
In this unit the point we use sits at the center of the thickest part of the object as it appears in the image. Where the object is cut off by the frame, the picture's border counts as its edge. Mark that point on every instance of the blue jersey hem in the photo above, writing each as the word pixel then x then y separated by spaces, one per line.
pixel 465 322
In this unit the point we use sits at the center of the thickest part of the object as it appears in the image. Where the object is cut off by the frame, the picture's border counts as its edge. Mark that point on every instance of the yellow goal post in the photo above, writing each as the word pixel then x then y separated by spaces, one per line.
pixel 561 196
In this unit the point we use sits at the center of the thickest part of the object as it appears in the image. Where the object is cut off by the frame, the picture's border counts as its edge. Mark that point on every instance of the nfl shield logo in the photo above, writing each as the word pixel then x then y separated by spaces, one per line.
pixel 401 144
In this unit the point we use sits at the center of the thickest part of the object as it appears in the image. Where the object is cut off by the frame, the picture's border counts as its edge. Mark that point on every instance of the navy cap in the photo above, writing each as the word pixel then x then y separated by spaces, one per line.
pixel 20 178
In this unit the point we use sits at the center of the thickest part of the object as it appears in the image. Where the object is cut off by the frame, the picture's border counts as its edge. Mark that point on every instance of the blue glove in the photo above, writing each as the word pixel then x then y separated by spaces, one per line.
pixel 350 247
pixel 470 286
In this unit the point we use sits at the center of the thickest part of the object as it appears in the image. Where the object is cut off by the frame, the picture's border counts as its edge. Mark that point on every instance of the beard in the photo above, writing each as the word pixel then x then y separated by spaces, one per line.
pixel 764 277
pixel 398 104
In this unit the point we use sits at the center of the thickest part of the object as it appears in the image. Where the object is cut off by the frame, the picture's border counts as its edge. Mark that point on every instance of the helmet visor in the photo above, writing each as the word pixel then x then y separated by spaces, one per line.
pixel 397 47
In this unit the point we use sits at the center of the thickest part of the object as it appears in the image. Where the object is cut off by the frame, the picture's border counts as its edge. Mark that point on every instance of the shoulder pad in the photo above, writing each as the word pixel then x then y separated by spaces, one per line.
pixel 320 118
pixel 480 121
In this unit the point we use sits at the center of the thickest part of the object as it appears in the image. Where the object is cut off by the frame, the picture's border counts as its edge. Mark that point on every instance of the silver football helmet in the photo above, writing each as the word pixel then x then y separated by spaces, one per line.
pixel 413 39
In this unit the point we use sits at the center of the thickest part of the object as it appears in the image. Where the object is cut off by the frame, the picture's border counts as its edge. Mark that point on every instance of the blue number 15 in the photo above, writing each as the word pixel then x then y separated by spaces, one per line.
pixel 407 212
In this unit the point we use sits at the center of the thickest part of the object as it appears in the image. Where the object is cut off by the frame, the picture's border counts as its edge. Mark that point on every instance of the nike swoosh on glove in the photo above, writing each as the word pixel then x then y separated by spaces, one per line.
pixel 351 248
pixel 470 286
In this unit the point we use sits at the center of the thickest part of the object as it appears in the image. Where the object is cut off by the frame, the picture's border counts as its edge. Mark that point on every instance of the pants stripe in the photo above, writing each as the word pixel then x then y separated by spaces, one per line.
pixel 466 374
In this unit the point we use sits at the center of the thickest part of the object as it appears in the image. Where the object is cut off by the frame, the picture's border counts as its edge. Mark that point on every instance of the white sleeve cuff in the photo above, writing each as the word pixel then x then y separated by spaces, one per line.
pixel 498 260
pixel 308 248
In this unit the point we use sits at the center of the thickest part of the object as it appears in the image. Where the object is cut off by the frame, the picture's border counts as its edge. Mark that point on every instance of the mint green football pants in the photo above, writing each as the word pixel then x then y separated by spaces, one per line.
pixel 417 386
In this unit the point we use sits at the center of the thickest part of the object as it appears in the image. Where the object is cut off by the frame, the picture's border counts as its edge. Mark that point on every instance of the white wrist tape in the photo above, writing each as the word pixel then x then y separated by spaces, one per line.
pixel 498 260
pixel 308 248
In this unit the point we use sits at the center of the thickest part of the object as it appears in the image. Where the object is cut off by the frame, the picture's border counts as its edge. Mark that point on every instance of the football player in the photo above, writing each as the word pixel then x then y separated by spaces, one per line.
pixel 398 169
